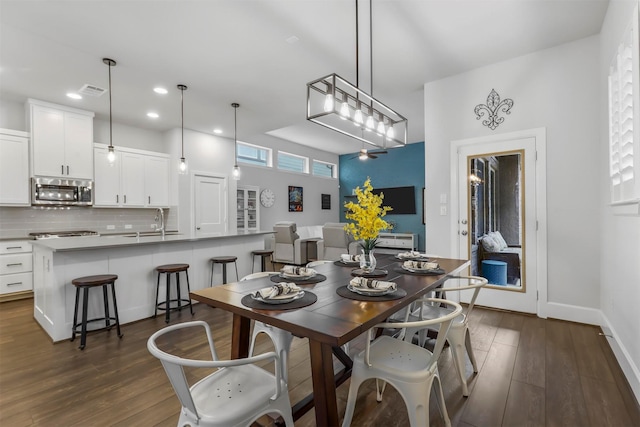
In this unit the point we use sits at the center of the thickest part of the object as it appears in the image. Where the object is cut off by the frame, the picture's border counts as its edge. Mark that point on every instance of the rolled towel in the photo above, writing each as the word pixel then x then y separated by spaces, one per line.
pixel 364 283
pixel 411 254
pixel 421 265
pixel 349 258
pixel 298 271
pixel 277 290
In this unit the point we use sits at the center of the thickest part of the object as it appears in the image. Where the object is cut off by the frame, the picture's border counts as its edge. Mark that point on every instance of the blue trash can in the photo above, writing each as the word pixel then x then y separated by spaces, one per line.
pixel 495 272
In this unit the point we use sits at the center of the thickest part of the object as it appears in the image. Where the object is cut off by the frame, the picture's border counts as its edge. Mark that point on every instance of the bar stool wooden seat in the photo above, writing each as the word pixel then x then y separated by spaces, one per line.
pixel 83 284
pixel 223 260
pixel 263 254
pixel 177 303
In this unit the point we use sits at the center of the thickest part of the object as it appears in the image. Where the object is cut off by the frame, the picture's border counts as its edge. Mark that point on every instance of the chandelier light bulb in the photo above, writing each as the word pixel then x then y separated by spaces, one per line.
pixel 371 125
pixel 344 110
pixel 357 117
pixel 111 155
pixel 381 130
pixel 390 133
pixel 328 103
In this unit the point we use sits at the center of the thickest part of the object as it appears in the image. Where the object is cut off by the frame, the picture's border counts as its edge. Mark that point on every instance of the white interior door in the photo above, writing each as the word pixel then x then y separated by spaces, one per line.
pixel 478 161
pixel 210 201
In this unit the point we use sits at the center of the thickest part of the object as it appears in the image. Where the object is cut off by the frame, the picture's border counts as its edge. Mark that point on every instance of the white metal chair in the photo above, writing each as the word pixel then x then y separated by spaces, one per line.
pixel 410 369
pixel 458 335
pixel 281 339
pixel 236 394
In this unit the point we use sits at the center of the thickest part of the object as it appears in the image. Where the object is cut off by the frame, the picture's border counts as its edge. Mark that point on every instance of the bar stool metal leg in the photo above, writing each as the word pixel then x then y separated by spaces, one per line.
pixel 75 314
pixel 115 308
pixel 85 303
pixel 105 301
pixel 168 299
pixel 189 292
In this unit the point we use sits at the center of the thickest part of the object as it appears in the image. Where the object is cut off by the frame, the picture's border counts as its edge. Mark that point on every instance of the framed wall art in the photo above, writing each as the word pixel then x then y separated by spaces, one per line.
pixel 295 199
pixel 326 201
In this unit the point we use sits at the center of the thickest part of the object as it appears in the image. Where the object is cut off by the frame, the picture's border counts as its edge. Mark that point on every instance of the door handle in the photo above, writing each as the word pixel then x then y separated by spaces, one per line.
pixel 197 228
pixel 464 221
pixel 464 232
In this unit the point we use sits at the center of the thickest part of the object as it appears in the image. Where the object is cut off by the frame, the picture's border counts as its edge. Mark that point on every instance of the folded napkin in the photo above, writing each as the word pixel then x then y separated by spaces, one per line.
pixel 364 283
pixel 349 258
pixel 298 271
pixel 411 254
pixel 282 288
pixel 422 265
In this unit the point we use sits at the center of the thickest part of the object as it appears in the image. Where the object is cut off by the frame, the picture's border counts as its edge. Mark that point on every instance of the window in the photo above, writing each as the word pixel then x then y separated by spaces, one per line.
pixel 292 163
pixel 324 169
pixel 624 118
pixel 253 154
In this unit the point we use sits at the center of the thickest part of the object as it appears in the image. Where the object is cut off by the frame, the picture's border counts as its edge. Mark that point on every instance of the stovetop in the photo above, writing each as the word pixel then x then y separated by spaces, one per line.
pixel 56 234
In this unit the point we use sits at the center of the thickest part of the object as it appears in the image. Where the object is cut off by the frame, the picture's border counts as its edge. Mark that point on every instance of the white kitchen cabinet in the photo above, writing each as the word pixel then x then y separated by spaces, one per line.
pixel 14 168
pixel 137 179
pixel 61 140
pixel 16 269
pixel 248 208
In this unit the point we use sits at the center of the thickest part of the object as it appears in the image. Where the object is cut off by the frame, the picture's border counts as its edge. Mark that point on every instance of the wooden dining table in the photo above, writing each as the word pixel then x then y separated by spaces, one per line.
pixel 328 323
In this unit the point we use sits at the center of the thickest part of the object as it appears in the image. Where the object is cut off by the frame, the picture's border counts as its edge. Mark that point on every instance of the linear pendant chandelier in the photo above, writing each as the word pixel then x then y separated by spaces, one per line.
pixel 335 103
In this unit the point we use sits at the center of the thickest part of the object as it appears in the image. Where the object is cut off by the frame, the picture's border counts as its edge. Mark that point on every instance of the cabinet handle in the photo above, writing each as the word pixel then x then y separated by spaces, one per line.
pixel 15 283
pixel 149 199
pixel 62 169
pixel 67 169
pixel 125 199
pixel 14 247
pixel 117 198
pixel 14 264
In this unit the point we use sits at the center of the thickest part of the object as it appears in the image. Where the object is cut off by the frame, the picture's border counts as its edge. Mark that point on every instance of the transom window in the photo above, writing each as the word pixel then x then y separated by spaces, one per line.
pixel 253 154
pixel 291 162
pixel 324 169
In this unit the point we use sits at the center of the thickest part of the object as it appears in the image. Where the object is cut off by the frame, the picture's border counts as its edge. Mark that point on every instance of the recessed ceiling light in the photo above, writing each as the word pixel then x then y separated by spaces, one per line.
pixel 74 95
pixel 160 90
pixel 218 131
pixel 152 115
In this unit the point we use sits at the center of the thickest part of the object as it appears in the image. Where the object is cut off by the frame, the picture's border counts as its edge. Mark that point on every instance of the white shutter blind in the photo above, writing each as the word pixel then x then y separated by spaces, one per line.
pixel 623 134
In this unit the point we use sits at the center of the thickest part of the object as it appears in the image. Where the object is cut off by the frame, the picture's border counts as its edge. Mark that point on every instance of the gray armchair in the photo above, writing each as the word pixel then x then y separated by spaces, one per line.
pixel 288 248
pixel 335 242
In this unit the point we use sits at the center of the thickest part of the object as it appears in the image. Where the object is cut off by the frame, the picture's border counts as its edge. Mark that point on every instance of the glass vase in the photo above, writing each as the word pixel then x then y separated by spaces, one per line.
pixel 367 261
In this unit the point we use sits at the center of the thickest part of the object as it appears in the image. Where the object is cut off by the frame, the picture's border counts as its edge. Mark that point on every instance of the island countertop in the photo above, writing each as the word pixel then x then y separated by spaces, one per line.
pixel 118 240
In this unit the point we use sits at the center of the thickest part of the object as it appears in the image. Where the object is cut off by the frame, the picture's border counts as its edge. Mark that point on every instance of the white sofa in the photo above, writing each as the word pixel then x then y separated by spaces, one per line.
pixel 335 242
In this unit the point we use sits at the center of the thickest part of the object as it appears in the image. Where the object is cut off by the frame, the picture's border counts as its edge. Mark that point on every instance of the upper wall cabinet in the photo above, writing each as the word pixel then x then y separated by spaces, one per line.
pixel 61 140
pixel 14 168
pixel 137 179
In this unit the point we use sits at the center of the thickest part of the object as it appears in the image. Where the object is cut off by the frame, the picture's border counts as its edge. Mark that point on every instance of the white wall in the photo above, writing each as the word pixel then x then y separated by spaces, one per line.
pixel 556 89
pixel 620 235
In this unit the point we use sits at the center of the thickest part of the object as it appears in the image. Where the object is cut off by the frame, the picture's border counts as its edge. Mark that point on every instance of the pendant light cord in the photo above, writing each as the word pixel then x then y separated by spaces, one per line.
pixel 235 106
pixel 110 119
pixel 182 89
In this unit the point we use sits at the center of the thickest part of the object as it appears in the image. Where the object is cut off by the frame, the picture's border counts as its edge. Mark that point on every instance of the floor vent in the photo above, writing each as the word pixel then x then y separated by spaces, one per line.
pixel 91 90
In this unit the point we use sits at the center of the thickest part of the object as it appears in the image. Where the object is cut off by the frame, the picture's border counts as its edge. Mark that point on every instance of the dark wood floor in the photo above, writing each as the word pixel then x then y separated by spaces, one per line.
pixel 533 372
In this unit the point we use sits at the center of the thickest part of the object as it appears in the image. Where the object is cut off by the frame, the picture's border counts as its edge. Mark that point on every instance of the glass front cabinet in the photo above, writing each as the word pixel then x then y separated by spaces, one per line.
pixel 248 210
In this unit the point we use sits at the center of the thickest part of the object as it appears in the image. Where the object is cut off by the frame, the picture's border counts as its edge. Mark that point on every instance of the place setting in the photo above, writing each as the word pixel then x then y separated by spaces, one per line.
pixel 281 296
pixel 298 275
pixel 348 260
pixel 412 256
pixel 366 289
pixel 424 268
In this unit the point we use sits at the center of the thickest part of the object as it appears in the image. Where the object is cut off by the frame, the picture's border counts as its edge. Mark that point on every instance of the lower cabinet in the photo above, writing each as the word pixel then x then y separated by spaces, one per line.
pixel 16 269
pixel 137 179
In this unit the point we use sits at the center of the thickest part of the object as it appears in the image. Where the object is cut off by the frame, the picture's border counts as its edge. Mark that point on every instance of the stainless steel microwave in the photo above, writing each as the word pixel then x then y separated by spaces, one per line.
pixel 61 192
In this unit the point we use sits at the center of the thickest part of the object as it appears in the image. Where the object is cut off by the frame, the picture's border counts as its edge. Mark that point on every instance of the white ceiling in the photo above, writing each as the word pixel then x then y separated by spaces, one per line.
pixel 241 51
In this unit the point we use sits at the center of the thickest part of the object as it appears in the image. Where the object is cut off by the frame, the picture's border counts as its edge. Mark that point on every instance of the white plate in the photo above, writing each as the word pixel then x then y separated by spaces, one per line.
pixel 350 262
pixel 296 276
pixel 281 299
pixel 371 292
pixel 420 270
pixel 412 258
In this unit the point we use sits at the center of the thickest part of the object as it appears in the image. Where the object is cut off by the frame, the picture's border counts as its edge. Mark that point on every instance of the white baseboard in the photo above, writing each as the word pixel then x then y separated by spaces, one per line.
pixel 574 313
pixel 630 369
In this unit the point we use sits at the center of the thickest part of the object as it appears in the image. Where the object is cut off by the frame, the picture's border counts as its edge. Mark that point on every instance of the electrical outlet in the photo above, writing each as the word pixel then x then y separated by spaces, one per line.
pixel 111 227
pixel 127 226
pixel 443 198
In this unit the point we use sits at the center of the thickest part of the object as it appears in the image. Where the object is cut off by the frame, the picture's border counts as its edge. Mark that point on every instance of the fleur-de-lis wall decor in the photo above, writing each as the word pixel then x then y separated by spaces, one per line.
pixel 492 108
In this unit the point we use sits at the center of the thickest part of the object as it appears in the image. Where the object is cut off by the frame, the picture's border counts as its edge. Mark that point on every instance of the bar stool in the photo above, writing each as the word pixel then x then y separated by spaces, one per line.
pixel 263 254
pixel 224 260
pixel 179 302
pixel 83 284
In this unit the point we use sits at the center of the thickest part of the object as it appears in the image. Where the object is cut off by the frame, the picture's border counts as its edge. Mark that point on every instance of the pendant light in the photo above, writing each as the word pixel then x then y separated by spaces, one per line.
pixel 236 170
pixel 182 167
pixel 111 155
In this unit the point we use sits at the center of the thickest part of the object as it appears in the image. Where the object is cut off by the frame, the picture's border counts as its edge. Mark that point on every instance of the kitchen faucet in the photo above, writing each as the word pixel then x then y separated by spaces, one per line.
pixel 160 217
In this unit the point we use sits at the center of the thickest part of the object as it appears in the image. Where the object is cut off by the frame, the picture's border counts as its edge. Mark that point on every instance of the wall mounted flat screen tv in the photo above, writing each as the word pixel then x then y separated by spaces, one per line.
pixel 401 199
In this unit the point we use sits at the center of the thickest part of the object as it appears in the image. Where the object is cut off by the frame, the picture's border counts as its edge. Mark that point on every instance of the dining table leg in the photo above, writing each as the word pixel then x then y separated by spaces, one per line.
pixel 324 387
pixel 240 335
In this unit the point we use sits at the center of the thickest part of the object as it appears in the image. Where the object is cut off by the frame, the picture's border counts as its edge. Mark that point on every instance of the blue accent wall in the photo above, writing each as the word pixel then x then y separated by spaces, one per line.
pixel 400 167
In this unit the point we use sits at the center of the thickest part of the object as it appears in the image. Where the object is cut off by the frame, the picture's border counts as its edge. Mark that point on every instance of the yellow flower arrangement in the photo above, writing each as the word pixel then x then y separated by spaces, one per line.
pixel 367 216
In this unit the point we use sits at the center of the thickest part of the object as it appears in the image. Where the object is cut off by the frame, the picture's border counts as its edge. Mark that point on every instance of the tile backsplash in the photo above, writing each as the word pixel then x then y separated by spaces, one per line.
pixel 19 222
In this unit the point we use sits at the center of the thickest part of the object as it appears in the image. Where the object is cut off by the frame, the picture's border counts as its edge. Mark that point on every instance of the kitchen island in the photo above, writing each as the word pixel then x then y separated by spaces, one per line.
pixel 58 261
